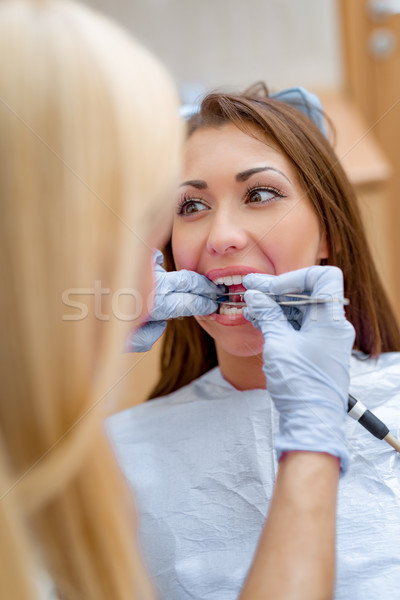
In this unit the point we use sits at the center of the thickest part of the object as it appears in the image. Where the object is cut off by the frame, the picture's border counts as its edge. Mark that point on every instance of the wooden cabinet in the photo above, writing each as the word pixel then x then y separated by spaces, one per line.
pixel 371 49
pixel 370 172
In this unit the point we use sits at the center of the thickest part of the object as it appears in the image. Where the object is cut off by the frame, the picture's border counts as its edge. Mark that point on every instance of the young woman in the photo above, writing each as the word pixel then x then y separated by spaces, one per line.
pixel 263 202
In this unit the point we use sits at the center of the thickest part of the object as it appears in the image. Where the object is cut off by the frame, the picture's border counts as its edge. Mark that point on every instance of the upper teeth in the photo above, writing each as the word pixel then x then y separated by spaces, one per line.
pixel 229 280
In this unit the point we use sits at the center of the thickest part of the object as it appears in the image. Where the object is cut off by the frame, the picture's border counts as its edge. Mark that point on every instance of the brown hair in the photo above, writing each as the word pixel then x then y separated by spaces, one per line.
pixel 188 351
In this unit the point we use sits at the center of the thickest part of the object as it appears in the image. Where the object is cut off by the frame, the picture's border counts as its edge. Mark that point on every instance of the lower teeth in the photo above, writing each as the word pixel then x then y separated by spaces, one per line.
pixel 225 309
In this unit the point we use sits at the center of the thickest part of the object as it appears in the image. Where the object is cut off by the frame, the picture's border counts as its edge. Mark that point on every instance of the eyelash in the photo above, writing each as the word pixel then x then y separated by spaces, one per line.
pixel 185 200
pixel 188 198
pixel 259 187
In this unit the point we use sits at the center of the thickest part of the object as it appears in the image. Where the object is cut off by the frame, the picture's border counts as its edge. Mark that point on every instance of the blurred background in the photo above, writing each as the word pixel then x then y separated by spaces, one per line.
pixel 231 43
pixel 347 51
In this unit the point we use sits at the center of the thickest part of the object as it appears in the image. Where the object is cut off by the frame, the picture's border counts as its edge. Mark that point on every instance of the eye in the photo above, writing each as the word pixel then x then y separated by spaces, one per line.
pixel 189 206
pixel 262 195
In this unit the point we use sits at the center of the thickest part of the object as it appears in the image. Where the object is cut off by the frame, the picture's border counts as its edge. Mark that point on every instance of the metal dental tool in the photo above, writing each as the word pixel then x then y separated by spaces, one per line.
pixel 284 300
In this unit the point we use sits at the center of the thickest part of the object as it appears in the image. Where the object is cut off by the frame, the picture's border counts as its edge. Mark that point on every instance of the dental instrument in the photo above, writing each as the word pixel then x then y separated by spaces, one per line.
pixel 285 300
pixel 358 411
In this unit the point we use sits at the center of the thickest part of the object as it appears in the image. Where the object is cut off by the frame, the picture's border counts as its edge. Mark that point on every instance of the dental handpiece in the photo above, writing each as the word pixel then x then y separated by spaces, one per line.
pixel 358 411
pixel 285 299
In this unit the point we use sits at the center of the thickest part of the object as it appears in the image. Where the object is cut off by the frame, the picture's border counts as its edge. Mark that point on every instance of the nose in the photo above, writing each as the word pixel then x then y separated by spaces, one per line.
pixel 226 234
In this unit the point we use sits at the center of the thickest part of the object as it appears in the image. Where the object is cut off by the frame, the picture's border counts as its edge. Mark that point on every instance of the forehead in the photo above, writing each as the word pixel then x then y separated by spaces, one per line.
pixel 229 148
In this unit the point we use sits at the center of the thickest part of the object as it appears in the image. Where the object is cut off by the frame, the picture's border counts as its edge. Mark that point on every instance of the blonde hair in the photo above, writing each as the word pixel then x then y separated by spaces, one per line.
pixel 89 147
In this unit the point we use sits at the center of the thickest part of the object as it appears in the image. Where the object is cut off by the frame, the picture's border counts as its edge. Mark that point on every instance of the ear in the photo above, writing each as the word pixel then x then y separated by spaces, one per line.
pixel 323 250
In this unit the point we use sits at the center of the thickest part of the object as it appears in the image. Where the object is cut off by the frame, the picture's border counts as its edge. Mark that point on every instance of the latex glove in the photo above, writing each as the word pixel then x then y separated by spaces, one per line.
pixel 177 294
pixel 307 370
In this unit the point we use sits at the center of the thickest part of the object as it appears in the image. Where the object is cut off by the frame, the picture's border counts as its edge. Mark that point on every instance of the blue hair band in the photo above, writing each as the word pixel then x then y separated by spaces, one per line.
pixel 298 97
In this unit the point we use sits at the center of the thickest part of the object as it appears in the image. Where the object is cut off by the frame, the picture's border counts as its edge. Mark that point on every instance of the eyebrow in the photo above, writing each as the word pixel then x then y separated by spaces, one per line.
pixel 200 184
pixel 244 175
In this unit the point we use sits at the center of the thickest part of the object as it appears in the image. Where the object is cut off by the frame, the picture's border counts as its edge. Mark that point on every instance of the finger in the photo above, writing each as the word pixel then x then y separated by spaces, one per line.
pixel 258 281
pixel 158 257
pixel 325 283
pixel 324 280
pixel 194 305
pixel 178 304
pixel 264 313
pixel 313 280
pixel 187 281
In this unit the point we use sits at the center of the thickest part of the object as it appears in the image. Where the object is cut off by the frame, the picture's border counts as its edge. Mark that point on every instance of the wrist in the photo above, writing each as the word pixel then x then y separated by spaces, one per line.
pixel 309 478
pixel 311 455
pixel 333 447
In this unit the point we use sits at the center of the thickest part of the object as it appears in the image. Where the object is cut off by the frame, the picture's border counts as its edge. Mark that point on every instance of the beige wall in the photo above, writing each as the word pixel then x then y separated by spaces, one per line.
pixel 214 43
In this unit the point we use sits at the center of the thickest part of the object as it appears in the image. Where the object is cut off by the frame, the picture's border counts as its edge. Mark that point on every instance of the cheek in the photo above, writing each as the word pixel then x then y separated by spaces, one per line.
pixel 145 288
pixel 186 248
pixel 293 243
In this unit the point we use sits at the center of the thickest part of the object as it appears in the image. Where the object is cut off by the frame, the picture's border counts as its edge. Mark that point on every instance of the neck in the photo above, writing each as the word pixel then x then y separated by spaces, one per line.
pixel 243 372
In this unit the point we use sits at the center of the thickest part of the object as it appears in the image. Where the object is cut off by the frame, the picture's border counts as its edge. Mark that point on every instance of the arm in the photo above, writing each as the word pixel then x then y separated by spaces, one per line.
pixel 307 373
pixel 295 558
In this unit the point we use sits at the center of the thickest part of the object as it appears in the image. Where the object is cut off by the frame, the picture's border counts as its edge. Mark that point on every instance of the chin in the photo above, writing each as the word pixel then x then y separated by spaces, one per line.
pixel 240 340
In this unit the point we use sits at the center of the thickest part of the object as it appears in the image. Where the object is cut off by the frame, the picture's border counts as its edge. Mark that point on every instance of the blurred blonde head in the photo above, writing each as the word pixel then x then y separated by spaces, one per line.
pixel 89 149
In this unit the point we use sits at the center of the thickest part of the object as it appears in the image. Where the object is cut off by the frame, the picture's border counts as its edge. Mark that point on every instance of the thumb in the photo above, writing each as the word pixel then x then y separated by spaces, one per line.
pixel 264 313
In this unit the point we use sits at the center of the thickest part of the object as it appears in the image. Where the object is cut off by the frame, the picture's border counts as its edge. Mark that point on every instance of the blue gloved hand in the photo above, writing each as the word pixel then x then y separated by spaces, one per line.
pixel 307 370
pixel 177 294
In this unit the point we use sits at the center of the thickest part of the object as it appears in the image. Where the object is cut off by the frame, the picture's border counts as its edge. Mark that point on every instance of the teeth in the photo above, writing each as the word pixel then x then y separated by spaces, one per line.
pixel 236 279
pixel 225 309
pixel 229 280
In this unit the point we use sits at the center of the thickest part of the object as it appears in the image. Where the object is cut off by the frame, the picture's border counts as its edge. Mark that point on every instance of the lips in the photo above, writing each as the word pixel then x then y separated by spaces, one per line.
pixel 242 270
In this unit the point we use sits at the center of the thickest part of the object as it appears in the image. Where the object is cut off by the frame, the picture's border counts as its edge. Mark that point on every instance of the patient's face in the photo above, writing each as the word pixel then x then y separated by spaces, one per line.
pixel 240 209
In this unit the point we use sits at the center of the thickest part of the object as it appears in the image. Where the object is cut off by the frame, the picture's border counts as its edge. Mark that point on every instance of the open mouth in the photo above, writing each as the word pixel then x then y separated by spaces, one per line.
pixel 231 302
